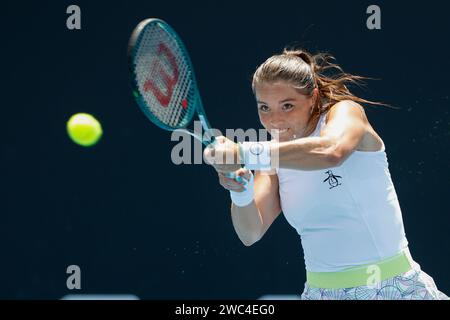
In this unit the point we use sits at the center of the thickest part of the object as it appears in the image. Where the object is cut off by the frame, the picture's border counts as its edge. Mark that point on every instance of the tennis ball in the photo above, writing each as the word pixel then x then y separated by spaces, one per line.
pixel 84 129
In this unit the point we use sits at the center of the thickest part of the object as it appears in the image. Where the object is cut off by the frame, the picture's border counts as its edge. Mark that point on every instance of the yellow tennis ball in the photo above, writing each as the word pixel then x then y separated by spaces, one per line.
pixel 84 129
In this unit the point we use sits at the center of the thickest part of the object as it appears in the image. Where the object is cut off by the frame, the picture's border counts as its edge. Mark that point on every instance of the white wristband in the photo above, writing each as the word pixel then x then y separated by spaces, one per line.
pixel 244 198
pixel 256 155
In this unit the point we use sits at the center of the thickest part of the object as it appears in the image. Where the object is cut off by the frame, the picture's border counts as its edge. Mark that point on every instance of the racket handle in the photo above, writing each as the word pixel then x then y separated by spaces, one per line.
pixel 232 175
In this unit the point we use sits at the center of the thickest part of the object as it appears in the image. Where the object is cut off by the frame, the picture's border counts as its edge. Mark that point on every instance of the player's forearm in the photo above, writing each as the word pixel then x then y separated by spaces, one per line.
pixel 312 153
pixel 247 223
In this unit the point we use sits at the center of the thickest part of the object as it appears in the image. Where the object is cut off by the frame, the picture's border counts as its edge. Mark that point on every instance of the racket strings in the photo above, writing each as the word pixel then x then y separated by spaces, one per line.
pixel 164 78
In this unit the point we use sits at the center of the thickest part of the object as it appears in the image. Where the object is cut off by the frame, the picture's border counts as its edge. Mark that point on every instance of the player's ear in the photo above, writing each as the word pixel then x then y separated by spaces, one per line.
pixel 315 95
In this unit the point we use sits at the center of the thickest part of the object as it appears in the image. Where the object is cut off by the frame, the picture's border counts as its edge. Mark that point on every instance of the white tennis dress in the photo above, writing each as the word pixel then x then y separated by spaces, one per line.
pixel 346 216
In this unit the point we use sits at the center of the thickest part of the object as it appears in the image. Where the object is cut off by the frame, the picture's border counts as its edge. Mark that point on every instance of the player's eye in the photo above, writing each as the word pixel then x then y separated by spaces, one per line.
pixel 263 108
pixel 288 106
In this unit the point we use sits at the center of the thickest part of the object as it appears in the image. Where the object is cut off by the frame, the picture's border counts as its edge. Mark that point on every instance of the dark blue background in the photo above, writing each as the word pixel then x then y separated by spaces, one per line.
pixel 134 222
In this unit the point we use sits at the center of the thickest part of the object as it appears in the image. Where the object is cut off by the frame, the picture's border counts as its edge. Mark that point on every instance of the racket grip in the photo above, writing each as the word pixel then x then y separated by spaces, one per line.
pixel 232 175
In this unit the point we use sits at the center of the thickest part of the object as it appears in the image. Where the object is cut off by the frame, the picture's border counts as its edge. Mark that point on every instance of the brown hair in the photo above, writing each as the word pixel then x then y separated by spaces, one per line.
pixel 307 72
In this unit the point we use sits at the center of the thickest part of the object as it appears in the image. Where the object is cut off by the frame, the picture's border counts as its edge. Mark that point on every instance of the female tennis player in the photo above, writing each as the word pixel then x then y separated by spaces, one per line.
pixel 331 181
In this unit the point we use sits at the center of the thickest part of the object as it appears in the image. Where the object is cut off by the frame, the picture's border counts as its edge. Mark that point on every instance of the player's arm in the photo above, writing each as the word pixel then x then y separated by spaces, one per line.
pixel 252 221
pixel 346 127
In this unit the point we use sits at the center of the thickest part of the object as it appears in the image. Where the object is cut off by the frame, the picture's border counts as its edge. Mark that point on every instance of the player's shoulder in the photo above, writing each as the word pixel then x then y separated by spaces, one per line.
pixel 348 108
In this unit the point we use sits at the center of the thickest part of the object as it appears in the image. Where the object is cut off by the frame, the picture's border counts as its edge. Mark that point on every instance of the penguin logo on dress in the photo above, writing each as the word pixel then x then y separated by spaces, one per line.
pixel 332 179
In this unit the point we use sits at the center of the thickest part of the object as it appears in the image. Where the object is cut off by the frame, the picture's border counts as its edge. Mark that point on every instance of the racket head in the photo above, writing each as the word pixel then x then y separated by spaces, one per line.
pixel 162 76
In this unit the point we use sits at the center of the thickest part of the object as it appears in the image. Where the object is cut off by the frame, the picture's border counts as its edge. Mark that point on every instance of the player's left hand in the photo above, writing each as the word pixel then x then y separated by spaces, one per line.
pixel 223 155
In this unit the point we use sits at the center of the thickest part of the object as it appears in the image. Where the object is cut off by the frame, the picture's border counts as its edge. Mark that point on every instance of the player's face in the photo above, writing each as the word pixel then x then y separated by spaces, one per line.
pixel 283 110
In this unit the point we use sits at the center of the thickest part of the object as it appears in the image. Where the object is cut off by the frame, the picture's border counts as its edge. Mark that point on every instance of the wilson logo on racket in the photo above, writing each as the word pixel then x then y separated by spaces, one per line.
pixel 169 81
pixel 163 81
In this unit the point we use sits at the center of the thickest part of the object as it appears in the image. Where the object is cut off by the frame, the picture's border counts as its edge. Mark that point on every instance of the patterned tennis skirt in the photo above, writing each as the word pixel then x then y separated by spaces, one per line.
pixel 412 285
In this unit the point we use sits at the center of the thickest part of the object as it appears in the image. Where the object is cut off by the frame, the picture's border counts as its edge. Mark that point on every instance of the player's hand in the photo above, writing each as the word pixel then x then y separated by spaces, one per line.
pixel 232 184
pixel 223 155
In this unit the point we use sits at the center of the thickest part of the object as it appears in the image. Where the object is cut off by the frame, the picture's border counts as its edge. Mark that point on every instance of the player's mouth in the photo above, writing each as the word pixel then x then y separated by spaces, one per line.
pixel 280 131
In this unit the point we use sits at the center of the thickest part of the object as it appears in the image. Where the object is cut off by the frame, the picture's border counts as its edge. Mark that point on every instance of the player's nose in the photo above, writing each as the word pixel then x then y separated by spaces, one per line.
pixel 278 120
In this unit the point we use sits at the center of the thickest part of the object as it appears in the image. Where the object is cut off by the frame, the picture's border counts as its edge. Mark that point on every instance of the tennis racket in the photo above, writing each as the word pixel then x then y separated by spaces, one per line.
pixel 163 80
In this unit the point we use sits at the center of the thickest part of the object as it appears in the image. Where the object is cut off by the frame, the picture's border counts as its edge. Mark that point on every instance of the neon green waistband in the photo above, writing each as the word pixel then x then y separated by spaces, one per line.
pixel 365 275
